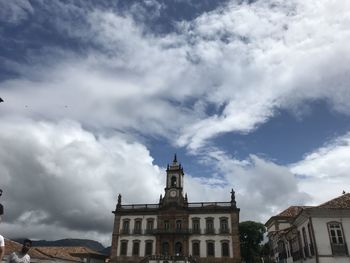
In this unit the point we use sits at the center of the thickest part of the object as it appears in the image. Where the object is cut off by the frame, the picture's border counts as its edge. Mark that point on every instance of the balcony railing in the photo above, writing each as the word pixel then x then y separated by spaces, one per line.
pixel 224 230
pixel 209 231
pixel 125 231
pixel 340 249
pixel 137 232
pixel 195 231
pixel 171 231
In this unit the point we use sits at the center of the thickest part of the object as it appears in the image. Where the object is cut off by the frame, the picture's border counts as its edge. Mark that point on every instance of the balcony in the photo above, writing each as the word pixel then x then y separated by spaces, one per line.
pixel 137 231
pixel 209 231
pixel 171 231
pixel 149 231
pixel 224 230
pixel 195 231
pixel 340 249
pixel 125 231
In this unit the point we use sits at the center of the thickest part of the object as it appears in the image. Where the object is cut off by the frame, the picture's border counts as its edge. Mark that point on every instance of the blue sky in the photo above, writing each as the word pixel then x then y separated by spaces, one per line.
pixel 99 95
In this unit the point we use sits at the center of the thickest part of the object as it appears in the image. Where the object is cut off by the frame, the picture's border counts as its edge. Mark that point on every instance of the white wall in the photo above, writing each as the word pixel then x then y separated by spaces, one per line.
pixel 143 224
pixel 142 238
pixel 322 235
pixel 142 244
pixel 216 238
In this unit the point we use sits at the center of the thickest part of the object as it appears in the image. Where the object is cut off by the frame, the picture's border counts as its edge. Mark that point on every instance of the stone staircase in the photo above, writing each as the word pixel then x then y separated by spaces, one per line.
pixel 167 259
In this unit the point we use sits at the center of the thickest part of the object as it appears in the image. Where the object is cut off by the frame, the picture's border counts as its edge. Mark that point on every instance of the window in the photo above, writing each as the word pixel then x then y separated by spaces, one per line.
pixel 210 225
pixel 195 225
pixel 165 248
pixel 173 181
pixel 178 224
pixel 149 226
pixel 149 248
pixel 123 247
pixel 136 248
pixel 311 245
pixel 178 249
pixel 336 233
pixel 223 225
pixel 137 227
pixel 225 250
pixel 337 238
pixel 306 247
pixel 126 224
pixel 210 249
pixel 166 224
pixel 196 248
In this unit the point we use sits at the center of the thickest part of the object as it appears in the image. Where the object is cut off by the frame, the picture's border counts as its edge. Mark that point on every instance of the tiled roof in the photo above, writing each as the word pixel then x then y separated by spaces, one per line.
pixel 342 201
pixel 12 246
pixel 292 211
pixel 66 253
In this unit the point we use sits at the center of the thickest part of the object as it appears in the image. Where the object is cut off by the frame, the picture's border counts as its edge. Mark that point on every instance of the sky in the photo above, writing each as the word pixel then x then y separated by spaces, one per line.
pixel 100 95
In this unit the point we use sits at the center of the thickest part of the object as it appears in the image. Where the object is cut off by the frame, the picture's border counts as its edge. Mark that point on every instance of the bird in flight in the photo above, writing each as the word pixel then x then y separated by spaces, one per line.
pixel 1 100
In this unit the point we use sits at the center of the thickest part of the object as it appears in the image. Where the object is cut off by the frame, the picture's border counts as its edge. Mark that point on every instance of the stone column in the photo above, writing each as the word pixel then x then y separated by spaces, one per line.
pixel 115 238
pixel 235 237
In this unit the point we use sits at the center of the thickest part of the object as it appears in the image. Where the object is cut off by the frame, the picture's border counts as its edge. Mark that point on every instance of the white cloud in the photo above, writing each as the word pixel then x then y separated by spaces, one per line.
pixel 262 187
pixel 62 175
pixel 245 59
pixel 324 172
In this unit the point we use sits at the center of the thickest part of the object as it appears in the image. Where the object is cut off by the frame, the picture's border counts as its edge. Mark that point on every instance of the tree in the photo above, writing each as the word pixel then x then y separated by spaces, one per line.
pixel 251 235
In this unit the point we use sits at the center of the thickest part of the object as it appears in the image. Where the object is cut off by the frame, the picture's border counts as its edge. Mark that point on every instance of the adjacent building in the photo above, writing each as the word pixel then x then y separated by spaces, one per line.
pixel 315 234
pixel 72 254
pixel 175 229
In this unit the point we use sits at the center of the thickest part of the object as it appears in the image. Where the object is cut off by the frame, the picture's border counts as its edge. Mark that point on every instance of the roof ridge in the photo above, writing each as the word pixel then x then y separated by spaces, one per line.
pixel 336 202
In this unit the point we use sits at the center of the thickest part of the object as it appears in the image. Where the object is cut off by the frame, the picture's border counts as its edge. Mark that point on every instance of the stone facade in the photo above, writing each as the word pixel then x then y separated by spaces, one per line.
pixel 175 229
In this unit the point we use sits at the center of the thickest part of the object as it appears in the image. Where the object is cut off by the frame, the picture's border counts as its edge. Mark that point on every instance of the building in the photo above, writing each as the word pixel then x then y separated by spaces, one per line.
pixel 175 229
pixel 72 254
pixel 312 233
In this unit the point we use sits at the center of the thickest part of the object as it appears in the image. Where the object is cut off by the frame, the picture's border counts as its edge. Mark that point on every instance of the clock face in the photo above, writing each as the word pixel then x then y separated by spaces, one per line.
pixel 173 193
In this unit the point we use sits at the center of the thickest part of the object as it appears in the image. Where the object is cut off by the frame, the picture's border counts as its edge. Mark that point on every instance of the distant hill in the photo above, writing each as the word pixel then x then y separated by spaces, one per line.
pixel 106 251
pixel 69 242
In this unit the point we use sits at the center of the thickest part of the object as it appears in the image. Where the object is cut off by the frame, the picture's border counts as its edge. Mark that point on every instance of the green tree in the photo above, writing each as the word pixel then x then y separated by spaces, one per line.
pixel 251 235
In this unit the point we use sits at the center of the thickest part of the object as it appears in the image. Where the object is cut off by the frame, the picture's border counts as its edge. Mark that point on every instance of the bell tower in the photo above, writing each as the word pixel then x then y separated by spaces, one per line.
pixel 174 184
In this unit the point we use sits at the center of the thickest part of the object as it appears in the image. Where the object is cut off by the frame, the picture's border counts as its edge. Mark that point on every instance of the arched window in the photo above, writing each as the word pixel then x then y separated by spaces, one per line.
pixel 224 225
pixel 225 249
pixel 126 226
pixel 209 221
pixel 165 248
pixel 173 181
pixel 196 248
pixel 149 248
pixel 136 248
pixel 196 225
pixel 210 249
pixel 178 224
pixel 178 249
pixel 123 247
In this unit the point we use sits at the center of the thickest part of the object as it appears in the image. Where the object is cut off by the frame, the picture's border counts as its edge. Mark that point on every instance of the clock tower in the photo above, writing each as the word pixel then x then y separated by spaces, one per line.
pixel 174 185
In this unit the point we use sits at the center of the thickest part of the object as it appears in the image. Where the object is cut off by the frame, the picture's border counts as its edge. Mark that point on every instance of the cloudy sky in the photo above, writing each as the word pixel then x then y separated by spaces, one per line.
pixel 99 95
